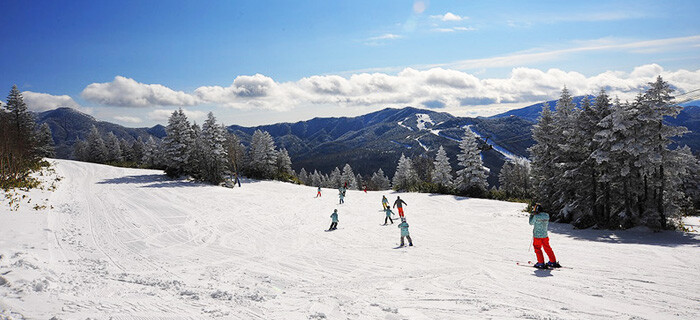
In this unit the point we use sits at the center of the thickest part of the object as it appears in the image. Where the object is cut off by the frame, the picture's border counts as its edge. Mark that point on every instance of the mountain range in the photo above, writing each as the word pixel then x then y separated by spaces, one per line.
pixel 368 142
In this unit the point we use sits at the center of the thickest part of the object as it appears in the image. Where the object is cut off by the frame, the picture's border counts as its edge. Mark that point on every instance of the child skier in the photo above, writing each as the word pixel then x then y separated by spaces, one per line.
pixel 388 212
pixel 318 193
pixel 341 195
pixel 540 221
pixel 385 202
pixel 334 221
pixel 404 232
pixel 398 203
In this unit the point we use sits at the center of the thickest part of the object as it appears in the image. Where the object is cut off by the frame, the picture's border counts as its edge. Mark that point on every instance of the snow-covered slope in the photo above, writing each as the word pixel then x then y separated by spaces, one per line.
pixel 131 244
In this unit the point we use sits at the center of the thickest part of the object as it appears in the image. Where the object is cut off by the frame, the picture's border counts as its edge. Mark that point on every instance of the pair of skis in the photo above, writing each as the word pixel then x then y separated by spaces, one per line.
pixel 531 264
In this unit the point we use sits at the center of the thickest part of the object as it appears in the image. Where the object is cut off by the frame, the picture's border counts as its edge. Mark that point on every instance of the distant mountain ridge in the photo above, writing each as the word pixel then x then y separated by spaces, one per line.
pixel 367 142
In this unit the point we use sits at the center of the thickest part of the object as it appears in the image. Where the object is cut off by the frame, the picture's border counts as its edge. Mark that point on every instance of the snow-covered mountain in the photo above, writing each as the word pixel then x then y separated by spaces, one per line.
pixel 132 244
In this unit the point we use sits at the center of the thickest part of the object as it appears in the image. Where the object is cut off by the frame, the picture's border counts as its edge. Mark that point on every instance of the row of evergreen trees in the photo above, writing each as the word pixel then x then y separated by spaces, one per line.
pixel 207 153
pixel 610 165
pixel 416 174
pixel 22 144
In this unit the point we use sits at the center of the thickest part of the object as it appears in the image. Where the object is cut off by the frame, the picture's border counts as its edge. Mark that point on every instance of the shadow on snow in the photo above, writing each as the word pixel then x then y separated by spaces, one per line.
pixel 632 236
pixel 162 181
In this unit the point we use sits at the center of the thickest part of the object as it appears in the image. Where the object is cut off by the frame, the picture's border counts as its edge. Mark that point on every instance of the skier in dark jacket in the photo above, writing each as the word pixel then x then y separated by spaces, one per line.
pixel 540 221
pixel 398 203
pixel 318 193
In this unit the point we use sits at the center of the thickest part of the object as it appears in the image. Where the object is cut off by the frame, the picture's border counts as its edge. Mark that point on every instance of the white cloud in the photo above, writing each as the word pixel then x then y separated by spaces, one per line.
pixel 126 92
pixel 449 17
pixel 162 115
pixel 387 36
pixel 128 119
pixel 444 30
pixel 40 102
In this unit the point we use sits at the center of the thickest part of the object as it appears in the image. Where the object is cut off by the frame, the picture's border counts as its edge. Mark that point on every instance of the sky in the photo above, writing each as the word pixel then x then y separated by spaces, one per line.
pixel 262 62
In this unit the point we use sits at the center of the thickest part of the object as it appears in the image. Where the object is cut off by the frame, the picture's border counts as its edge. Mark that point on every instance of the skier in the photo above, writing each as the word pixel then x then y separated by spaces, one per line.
pixel 398 203
pixel 385 202
pixel 388 212
pixel 364 187
pixel 334 222
pixel 341 195
pixel 237 181
pixel 318 194
pixel 540 221
pixel 404 232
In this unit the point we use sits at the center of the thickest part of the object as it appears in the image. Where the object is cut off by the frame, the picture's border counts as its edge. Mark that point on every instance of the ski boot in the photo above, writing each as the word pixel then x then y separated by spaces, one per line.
pixel 554 264
pixel 540 265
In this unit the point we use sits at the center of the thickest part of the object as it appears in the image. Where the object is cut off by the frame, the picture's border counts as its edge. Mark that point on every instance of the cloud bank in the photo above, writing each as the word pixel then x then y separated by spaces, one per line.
pixel 432 88
pixel 39 102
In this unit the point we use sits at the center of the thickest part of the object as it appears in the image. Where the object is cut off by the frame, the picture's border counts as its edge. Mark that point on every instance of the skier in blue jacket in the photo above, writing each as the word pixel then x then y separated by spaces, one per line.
pixel 404 232
pixel 334 220
pixel 341 195
pixel 388 212
pixel 540 221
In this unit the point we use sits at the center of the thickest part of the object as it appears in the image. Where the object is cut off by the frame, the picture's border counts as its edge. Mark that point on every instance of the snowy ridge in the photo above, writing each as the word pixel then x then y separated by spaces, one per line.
pixel 131 244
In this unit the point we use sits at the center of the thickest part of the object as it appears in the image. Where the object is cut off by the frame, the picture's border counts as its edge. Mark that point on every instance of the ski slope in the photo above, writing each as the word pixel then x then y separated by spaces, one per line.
pixel 132 244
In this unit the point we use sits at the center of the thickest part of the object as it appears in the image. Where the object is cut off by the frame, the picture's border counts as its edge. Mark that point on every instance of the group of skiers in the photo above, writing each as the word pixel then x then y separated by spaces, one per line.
pixel 538 219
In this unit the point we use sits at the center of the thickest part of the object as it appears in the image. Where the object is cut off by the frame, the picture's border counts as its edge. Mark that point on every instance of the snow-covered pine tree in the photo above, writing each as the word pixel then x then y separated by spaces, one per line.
pixel 80 150
pixel 137 151
pixel 263 156
pixel 442 172
pixel 334 179
pixel 472 177
pixel 316 179
pixel 405 178
pixel 543 154
pixel 215 157
pixel 284 164
pixel 114 151
pixel 151 154
pixel 304 177
pixel 176 144
pixel 127 150
pixel 360 181
pixel 21 126
pixel 515 179
pixel 97 151
pixel 348 177
pixel 46 148
pixel 379 181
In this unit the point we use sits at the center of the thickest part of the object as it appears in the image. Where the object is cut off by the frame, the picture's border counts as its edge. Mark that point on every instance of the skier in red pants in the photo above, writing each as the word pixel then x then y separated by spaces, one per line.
pixel 398 203
pixel 540 221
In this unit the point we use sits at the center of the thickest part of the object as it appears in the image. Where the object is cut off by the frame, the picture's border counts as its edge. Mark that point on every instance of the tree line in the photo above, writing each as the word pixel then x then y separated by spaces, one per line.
pixel 610 164
pixel 22 143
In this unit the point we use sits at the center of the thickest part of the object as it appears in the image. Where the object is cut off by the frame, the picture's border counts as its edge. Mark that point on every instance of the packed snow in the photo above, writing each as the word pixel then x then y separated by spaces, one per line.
pixel 132 244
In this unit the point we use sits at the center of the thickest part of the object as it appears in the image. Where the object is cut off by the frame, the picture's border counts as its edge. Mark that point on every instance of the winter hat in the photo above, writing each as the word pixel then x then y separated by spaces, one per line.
pixel 403 219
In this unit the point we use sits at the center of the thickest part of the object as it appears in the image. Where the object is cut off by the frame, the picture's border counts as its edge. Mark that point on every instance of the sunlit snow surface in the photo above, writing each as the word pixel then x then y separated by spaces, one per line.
pixel 132 244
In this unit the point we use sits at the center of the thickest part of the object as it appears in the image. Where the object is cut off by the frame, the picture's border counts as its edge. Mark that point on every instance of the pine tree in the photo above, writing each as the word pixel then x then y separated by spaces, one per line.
pixel 515 180
pixel 21 124
pixel 442 174
pixel 379 181
pixel 472 177
pixel 335 179
pixel 543 155
pixel 176 144
pixel 197 154
pixel 405 177
pixel 151 154
pixel 46 147
pixel 284 164
pixel 263 156
pixel 236 153
pixel 348 177
pixel 97 151
pixel 137 151
pixel 304 177
pixel 80 151
pixel 215 156
pixel 114 151
pixel 316 179
pixel 127 150
pixel 360 182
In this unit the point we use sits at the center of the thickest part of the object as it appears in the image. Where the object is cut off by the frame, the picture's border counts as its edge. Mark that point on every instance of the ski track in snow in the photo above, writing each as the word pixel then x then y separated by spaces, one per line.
pixel 509 155
pixel 132 244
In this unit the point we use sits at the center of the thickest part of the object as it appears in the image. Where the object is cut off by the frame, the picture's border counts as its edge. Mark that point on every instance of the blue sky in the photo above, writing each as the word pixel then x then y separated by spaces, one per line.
pixel 256 62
